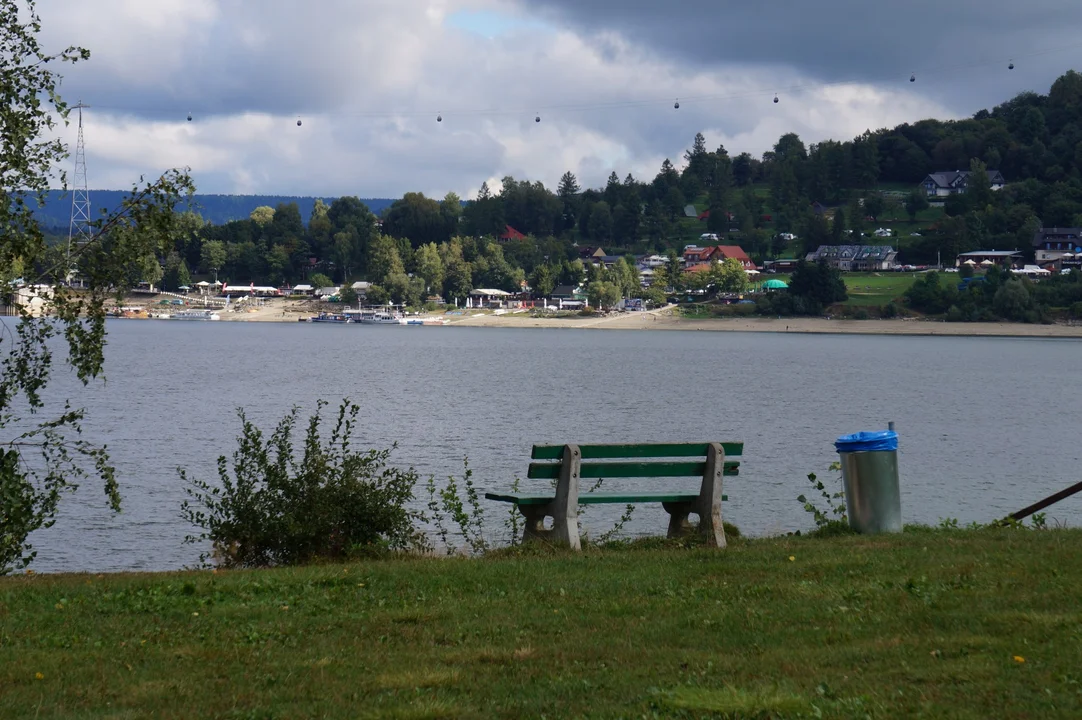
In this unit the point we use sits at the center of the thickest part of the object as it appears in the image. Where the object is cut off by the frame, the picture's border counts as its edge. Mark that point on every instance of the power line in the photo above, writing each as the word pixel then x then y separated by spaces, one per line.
pixel 577 107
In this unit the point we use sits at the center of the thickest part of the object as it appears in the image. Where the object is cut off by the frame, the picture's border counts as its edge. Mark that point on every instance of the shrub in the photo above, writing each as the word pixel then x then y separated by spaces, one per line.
pixel 276 509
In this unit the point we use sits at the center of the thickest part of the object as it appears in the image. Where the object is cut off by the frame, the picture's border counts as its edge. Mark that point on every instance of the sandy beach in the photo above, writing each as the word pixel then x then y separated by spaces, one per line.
pixel 665 319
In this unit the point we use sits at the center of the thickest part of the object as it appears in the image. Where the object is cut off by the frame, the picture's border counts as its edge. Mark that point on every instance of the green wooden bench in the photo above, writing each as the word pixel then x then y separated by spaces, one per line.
pixel 565 464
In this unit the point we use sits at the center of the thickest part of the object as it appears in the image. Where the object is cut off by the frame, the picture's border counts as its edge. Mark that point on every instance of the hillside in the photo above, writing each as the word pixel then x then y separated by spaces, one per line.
pixel 216 209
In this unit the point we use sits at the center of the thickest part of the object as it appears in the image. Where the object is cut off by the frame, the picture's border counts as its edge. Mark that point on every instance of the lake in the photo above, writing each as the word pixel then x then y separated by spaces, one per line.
pixel 986 425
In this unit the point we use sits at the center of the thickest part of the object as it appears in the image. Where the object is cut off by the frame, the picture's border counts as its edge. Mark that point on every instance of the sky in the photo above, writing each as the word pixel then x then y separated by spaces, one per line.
pixel 368 78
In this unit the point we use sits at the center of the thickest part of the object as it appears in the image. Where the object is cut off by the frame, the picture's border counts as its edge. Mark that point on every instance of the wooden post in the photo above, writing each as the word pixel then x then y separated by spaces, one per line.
pixel 565 508
pixel 708 506
pixel 1050 500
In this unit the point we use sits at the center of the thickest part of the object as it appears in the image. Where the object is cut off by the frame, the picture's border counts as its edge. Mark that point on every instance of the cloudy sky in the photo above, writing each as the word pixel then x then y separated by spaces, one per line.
pixel 367 79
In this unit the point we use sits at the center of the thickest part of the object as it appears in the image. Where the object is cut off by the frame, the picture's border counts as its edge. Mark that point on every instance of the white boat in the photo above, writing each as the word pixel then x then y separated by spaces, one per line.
pixel 195 315
pixel 378 317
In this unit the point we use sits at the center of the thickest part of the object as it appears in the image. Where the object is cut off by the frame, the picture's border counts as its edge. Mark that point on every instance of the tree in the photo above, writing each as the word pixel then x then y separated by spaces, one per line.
pixel 729 276
pixel 150 270
pixel 698 159
pixel 176 274
pixel 601 223
pixel 319 280
pixel 874 205
pixel 915 202
pixel 213 256
pixel 429 267
pixel 743 170
pixel 818 284
pixel 419 219
pixel 674 271
pixel 347 295
pixel 568 191
pixel 603 294
pixel 30 492
pixel 383 259
pixel 262 216
pixel 451 212
pixel 837 227
pixel 377 295
pixel 543 281
pixel 1013 300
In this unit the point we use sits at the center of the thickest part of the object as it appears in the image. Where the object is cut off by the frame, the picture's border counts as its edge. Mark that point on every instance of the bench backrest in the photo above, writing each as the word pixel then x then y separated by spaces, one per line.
pixel 620 457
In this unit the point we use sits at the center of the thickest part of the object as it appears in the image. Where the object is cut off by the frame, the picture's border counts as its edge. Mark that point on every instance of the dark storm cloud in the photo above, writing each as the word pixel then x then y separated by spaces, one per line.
pixel 959 48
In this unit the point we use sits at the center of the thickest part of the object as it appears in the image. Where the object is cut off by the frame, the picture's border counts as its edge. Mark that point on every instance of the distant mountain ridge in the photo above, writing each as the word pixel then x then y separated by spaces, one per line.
pixel 217 209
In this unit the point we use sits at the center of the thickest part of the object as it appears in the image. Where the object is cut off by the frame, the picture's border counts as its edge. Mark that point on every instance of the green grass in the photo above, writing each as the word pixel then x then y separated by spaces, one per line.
pixel 871 289
pixel 925 624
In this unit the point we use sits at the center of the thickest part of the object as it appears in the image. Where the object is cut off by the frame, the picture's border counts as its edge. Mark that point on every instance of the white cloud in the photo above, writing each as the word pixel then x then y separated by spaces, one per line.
pixel 368 79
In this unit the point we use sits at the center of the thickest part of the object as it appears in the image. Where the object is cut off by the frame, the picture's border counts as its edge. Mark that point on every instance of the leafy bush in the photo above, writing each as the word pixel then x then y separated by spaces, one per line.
pixel 275 509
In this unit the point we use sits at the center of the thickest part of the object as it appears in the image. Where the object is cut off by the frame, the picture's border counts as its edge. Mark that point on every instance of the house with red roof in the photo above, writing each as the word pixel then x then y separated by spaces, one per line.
pixel 737 253
pixel 511 234
pixel 694 255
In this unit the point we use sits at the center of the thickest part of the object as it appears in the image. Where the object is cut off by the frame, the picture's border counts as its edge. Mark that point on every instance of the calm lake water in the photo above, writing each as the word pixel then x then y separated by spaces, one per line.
pixel 986 425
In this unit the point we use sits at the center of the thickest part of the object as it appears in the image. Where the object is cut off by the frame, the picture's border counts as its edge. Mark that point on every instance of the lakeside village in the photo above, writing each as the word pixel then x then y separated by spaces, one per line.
pixel 724 272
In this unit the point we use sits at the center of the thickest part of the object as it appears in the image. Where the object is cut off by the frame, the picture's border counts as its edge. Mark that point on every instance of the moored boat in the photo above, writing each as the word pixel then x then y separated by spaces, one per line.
pixel 325 317
pixel 195 315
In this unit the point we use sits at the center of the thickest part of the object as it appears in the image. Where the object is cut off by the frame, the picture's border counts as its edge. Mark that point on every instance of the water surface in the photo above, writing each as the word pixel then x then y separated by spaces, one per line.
pixel 987 425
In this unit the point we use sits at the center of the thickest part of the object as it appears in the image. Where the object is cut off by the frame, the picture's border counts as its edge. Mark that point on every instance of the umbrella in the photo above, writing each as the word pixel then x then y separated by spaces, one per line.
pixel 202 283
pixel 987 262
pixel 184 287
pixel 775 284
pixel 970 262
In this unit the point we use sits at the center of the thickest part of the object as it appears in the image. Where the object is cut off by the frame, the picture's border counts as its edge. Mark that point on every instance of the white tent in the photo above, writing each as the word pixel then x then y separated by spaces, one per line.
pixel 970 262
pixel 987 262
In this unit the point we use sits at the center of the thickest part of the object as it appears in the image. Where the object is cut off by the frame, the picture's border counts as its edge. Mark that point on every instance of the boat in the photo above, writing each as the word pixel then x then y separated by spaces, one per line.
pixel 195 315
pixel 325 317
pixel 379 317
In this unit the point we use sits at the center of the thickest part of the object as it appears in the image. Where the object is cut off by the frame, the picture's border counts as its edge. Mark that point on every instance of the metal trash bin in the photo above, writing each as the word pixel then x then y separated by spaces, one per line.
pixel 870 476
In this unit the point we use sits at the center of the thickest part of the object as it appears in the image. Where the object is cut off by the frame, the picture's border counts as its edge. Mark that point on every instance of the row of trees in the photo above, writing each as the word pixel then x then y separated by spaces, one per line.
pixel 997 295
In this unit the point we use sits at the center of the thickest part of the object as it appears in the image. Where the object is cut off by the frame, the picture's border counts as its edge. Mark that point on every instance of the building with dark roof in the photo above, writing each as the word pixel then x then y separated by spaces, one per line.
pixel 942 184
pixel 1054 243
pixel 859 258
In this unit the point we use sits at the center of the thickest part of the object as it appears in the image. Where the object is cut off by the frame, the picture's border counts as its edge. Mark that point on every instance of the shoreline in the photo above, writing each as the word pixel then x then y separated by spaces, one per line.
pixel 664 319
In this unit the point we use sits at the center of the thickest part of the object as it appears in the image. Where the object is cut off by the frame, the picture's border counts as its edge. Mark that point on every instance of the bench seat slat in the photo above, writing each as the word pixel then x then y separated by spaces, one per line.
pixel 598 498
pixel 551 471
pixel 640 450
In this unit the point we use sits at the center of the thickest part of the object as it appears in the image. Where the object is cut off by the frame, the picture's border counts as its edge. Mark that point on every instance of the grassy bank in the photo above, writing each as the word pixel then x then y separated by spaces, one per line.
pixel 936 624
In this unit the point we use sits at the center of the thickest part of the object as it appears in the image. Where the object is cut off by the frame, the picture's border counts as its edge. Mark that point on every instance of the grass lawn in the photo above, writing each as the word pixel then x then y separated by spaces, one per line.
pixel 871 289
pixel 960 624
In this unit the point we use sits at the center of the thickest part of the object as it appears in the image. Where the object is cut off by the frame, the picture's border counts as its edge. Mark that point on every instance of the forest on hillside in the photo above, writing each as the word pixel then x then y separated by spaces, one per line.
pixel 1035 140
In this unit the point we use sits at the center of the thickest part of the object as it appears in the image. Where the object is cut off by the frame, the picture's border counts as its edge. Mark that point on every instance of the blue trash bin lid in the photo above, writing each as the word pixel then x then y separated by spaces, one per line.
pixel 867 441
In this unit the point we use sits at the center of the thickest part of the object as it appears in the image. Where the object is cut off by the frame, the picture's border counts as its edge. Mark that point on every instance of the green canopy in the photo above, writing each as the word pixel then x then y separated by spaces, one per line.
pixel 775 285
